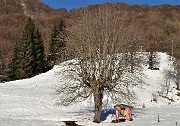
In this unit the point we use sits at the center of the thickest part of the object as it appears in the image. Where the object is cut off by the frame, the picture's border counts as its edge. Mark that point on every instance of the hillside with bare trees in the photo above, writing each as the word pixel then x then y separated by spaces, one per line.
pixel 13 15
pixel 158 26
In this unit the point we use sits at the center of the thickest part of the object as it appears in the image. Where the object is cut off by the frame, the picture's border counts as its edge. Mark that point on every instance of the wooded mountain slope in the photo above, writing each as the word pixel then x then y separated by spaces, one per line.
pixel 159 25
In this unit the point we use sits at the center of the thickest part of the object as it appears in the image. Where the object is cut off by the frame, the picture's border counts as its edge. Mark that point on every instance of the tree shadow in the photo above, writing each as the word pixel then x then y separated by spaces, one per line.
pixel 106 112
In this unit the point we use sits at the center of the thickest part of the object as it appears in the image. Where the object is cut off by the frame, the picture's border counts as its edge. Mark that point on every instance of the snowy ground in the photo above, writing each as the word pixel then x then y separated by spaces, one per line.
pixel 32 102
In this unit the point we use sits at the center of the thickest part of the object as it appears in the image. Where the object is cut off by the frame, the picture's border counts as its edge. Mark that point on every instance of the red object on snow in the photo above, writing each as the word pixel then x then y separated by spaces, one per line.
pixel 123 112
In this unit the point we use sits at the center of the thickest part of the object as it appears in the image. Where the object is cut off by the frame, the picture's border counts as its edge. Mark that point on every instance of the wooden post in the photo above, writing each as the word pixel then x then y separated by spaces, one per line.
pixel 143 105
pixel 158 118
pixel 176 123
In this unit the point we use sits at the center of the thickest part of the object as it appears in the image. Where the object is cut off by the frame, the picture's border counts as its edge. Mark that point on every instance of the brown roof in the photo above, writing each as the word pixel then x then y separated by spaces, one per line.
pixel 123 105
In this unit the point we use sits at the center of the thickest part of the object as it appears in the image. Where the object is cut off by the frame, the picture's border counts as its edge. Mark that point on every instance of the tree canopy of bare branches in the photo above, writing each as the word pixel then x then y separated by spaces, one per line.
pixel 101 41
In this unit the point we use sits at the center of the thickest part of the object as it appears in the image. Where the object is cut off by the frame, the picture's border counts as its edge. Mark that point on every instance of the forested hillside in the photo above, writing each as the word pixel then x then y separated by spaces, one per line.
pixel 157 27
pixel 13 16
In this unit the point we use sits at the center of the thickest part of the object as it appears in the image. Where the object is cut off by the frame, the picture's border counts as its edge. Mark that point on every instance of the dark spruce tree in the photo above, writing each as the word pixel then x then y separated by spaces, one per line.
pixel 29 57
pixel 14 64
pixel 58 44
pixel 38 54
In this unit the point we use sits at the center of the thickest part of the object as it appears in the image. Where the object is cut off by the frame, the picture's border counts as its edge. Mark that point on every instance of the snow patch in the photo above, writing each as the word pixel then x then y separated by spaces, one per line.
pixel 33 101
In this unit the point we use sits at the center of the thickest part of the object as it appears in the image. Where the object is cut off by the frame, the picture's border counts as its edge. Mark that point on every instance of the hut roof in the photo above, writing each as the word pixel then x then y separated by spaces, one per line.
pixel 123 105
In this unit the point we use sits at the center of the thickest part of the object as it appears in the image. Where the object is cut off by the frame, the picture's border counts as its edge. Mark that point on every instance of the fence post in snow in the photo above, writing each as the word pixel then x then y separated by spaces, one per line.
pixel 158 118
pixel 143 105
pixel 176 124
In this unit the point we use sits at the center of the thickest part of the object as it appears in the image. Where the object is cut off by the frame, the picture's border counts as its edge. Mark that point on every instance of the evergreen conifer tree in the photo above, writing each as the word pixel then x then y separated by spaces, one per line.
pixel 39 56
pixel 29 57
pixel 58 43
pixel 14 64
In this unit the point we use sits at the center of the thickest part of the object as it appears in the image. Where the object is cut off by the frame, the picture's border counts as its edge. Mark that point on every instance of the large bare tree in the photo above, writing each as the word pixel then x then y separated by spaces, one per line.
pixel 100 67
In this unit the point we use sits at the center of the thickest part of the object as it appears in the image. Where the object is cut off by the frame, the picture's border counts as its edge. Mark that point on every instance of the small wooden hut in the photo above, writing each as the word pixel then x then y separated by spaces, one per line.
pixel 123 112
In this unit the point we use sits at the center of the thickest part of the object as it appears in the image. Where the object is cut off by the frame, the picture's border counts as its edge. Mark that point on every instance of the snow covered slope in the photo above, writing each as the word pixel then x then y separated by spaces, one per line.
pixel 29 101
pixel 32 102
pixel 157 83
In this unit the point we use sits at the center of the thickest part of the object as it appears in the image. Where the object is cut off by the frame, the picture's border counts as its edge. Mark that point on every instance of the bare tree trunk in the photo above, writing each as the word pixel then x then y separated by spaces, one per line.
pixel 132 62
pixel 177 69
pixel 178 85
pixel 98 95
pixel 178 80
pixel 151 60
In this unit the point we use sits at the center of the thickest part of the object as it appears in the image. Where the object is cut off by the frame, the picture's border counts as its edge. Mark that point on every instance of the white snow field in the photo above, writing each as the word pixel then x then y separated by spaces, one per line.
pixel 32 102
